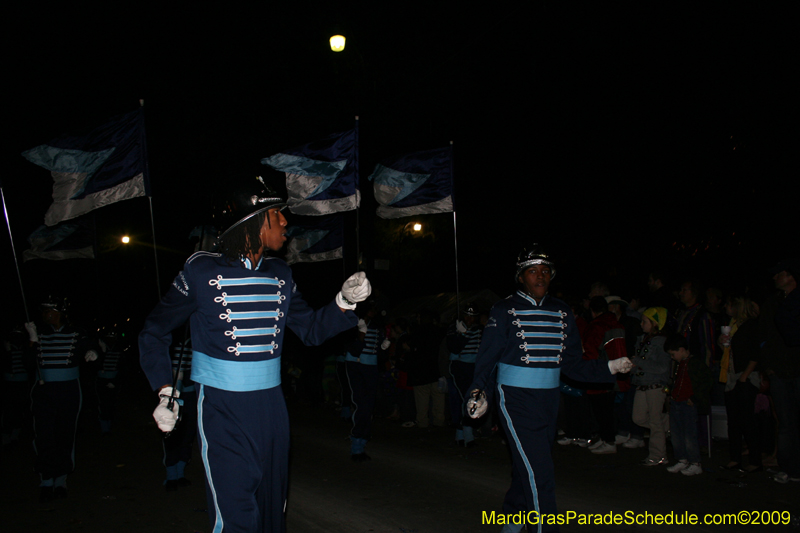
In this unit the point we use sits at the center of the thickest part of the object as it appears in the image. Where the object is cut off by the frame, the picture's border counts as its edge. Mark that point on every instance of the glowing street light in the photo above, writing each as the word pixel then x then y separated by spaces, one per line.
pixel 337 43
pixel 417 226
pixel 126 239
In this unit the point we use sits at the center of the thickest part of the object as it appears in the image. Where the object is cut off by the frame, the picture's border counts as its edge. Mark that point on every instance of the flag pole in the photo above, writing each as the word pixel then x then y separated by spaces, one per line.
pixel 358 204
pixel 344 263
pixel 14 251
pixel 150 200
pixel 155 252
pixel 455 231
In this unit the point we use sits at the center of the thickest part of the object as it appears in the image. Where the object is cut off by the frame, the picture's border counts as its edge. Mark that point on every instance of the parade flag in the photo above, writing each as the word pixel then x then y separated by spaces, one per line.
pixel 94 169
pixel 68 240
pixel 321 176
pixel 414 184
pixel 319 239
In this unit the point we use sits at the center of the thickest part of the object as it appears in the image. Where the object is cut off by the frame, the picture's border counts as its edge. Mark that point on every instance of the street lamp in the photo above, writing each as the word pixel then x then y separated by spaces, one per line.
pixel 337 43
pixel 126 239
pixel 413 229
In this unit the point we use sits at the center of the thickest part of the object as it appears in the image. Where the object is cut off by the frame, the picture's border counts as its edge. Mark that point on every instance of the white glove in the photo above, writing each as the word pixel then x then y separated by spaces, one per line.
pixel 33 335
pixel 165 418
pixel 461 327
pixel 477 404
pixel 90 356
pixel 623 364
pixel 385 344
pixel 355 289
pixel 362 326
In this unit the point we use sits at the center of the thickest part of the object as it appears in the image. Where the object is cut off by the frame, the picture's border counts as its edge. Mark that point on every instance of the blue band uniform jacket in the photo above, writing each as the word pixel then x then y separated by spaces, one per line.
pixel 525 347
pixel 528 345
pixel 238 320
pixel 238 314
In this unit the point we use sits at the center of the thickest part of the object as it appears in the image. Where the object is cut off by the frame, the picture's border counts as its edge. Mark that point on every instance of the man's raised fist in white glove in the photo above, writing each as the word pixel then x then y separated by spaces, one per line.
pixel 165 417
pixel 623 365
pixel 355 289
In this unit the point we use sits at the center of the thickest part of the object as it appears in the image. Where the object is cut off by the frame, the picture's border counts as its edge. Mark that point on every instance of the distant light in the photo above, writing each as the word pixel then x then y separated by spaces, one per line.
pixel 417 226
pixel 126 239
pixel 337 43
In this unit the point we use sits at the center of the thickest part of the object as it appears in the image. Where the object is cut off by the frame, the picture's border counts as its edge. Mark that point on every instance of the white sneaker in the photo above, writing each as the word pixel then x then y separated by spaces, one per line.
pixel 677 467
pixel 605 448
pixel 564 441
pixel 692 470
pixel 596 444
pixel 621 439
pixel 634 443
pixel 783 477
pixel 583 443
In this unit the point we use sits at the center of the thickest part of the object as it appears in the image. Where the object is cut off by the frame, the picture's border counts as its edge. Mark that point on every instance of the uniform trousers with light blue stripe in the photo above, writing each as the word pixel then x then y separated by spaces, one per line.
pixel 364 381
pixel 244 445
pixel 106 401
pixel 344 387
pixel 529 418
pixel 56 406
pixel 461 375
pixel 178 446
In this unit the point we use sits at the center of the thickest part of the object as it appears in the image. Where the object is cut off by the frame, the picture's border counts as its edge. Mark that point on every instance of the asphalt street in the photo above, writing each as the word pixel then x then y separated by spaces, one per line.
pixel 417 481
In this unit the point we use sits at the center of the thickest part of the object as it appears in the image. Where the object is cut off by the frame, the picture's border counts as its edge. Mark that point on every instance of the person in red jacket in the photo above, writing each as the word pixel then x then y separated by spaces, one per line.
pixel 603 339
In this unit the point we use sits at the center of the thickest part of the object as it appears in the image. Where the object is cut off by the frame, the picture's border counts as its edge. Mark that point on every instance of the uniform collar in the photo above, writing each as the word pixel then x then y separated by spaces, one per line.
pixel 249 264
pixel 530 299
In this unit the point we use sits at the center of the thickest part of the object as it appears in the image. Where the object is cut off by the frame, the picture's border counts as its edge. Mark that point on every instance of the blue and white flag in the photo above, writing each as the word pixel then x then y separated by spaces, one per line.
pixel 414 184
pixel 321 176
pixel 94 169
pixel 316 239
pixel 68 240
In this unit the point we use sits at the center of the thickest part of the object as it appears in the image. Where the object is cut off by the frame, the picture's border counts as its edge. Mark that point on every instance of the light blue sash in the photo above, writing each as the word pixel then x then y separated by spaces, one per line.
pixel 237 376
pixel 464 357
pixel 528 378
pixel 365 359
pixel 7 376
pixel 59 374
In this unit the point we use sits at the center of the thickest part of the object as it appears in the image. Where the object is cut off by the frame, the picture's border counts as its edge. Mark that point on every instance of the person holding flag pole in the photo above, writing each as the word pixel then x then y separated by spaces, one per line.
pixel 239 303
pixel 56 398
pixel 529 340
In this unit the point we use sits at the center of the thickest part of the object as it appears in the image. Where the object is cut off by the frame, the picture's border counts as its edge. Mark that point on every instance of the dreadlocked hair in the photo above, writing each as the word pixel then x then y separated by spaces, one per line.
pixel 243 240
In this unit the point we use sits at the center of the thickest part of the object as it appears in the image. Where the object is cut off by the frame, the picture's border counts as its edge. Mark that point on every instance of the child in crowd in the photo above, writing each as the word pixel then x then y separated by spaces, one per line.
pixel 650 377
pixel 689 396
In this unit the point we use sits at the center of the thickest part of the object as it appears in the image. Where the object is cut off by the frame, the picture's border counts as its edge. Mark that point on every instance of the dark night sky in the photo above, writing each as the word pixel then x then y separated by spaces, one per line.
pixel 609 130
